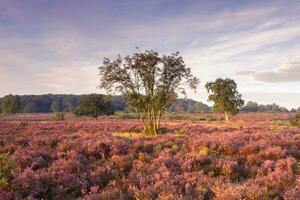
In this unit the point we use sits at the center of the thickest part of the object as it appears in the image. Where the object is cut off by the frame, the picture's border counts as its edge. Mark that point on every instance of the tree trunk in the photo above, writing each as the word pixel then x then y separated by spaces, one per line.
pixel 151 124
pixel 227 117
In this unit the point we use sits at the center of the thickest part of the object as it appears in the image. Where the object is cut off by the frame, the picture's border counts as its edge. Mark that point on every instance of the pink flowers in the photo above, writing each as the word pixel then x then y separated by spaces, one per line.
pixel 81 159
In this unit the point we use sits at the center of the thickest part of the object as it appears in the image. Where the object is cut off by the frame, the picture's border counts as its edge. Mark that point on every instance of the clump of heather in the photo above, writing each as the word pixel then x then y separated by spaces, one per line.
pixel 82 159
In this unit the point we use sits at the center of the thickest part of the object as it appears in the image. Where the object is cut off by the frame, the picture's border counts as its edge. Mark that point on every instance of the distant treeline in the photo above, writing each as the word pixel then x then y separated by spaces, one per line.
pixel 68 103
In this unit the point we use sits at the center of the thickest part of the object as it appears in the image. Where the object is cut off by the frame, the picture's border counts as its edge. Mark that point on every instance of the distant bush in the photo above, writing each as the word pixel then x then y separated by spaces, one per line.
pixel 295 121
pixel 59 116
pixel 94 105
pixel 11 104
pixel 124 115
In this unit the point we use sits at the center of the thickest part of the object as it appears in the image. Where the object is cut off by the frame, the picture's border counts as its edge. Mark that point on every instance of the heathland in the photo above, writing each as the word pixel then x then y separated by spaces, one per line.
pixel 198 156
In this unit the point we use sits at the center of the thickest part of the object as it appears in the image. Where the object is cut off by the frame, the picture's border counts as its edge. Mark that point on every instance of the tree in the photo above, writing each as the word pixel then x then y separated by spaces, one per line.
pixel 250 107
pixel 298 110
pixel 11 104
pixel 69 104
pixel 30 107
pixel 94 105
pixel 55 106
pixel 150 82
pixel 225 96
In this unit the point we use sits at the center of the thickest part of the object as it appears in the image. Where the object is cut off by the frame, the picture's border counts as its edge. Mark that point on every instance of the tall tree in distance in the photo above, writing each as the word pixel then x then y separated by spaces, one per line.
pixel 94 105
pixel 225 96
pixel 150 82
pixel 11 104
pixel 55 106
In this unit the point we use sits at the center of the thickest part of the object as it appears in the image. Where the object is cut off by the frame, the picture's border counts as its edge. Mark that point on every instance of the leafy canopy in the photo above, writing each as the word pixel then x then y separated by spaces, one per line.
pixel 225 96
pixel 149 81
pixel 93 105
pixel 11 104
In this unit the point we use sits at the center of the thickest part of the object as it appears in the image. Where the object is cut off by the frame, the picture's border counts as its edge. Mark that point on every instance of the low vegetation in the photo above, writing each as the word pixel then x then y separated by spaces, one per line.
pixel 110 159
pixel 59 116
pixel 295 121
pixel 94 105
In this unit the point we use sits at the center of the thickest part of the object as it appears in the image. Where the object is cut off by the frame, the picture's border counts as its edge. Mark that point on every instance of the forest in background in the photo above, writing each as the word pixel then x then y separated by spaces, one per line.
pixel 68 103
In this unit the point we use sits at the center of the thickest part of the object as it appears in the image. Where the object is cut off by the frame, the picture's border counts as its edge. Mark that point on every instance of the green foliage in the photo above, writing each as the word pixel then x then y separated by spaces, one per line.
pixel 93 105
pixel 67 103
pixel 130 135
pixel 157 148
pixel 175 148
pixel 6 166
pixel 30 107
pixel 203 150
pixel 59 116
pixel 272 108
pixel 250 107
pixel 295 121
pixel 189 105
pixel 149 82
pixel 124 115
pixel 11 104
pixel 179 133
pixel 55 106
pixel 225 96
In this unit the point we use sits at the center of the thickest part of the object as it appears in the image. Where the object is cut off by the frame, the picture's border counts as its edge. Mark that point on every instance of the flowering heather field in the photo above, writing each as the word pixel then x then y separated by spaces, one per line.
pixel 255 157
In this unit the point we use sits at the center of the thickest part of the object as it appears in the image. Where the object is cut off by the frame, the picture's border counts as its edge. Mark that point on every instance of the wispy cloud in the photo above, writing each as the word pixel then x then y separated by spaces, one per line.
pixel 288 72
pixel 50 46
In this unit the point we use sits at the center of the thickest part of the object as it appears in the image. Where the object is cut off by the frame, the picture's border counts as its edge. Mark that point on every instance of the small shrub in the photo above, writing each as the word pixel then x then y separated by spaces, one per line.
pixel 295 121
pixel 157 148
pixel 203 151
pixel 58 116
pixel 23 124
pixel 175 148
pixel 179 133
pixel 6 166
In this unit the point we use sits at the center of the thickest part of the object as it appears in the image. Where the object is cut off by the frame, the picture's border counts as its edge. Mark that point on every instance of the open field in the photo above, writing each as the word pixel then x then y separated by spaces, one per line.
pixel 257 156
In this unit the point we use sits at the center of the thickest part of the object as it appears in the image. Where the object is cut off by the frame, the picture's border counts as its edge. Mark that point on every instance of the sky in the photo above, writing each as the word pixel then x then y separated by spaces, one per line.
pixel 56 46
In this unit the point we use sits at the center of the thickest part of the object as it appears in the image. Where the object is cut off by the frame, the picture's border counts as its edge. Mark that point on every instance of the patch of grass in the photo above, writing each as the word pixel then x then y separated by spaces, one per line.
pixel 130 135
pixel 191 118
pixel 179 133
pixel 203 150
pixel 275 129
pixel 280 121
pixel 157 148
pixel 59 116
